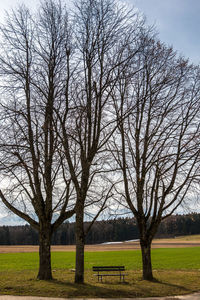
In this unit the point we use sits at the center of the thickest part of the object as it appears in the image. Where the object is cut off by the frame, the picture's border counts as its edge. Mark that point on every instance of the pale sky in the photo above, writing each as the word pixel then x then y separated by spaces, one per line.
pixel 177 21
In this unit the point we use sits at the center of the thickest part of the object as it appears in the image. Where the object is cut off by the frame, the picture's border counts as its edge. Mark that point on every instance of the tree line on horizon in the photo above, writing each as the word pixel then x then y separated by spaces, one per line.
pixel 113 230
pixel 97 115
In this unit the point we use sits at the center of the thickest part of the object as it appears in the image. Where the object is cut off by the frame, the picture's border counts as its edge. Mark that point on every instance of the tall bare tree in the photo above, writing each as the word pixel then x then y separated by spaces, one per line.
pixel 36 184
pixel 157 145
pixel 106 37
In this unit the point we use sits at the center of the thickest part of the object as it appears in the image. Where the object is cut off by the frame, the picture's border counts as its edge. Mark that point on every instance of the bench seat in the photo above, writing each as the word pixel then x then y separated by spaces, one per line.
pixel 102 269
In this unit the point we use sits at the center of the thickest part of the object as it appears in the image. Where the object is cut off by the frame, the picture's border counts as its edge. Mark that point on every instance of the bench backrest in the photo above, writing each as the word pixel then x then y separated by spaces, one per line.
pixel 108 268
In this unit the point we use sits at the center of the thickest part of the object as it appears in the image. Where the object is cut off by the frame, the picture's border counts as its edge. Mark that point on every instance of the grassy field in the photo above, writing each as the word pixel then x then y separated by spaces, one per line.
pixel 176 272
pixel 162 259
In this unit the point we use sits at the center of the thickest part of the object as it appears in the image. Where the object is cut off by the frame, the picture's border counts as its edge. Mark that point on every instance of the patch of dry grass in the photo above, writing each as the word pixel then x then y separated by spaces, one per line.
pixel 166 283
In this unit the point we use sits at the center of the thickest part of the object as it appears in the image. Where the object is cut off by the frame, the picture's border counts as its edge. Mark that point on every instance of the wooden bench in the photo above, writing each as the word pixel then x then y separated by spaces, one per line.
pixel 119 271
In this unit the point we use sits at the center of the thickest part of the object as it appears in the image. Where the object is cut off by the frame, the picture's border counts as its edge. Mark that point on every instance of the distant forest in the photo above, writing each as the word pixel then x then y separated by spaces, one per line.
pixel 121 229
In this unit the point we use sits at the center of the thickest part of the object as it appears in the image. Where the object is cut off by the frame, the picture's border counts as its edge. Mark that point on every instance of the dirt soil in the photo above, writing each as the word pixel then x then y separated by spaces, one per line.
pixel 158 243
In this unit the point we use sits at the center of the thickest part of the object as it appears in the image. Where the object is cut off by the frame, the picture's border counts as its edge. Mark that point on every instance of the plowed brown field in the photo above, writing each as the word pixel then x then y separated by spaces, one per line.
pixel 158 243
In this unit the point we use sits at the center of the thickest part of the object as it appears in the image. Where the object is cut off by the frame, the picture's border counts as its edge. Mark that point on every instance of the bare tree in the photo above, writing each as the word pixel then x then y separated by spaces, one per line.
pixel 35 182
pixel 157 145
pixel 106 37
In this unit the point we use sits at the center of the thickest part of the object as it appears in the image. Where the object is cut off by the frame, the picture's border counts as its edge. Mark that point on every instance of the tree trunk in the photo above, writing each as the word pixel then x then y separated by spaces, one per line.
pixel 45 255
pixel 146 260
pixel 80 243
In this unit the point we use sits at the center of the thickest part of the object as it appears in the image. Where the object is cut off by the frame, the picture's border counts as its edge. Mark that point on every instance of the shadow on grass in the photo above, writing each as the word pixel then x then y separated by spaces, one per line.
pixel 98 290
pixel 62 286
pixel 170 284
pixel 110 289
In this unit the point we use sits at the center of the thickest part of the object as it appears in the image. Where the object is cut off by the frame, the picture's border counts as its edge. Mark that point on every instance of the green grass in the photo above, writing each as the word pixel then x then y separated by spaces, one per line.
pixel 162 259
pixel 176 272
pixel 176 258
pixel 30 261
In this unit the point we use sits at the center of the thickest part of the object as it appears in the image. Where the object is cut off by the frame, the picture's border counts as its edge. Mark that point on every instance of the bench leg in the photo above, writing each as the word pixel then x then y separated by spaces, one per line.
pixel 99 277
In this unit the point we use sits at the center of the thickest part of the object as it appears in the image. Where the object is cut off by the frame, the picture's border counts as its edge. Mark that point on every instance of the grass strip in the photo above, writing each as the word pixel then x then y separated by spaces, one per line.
pixel 162 259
